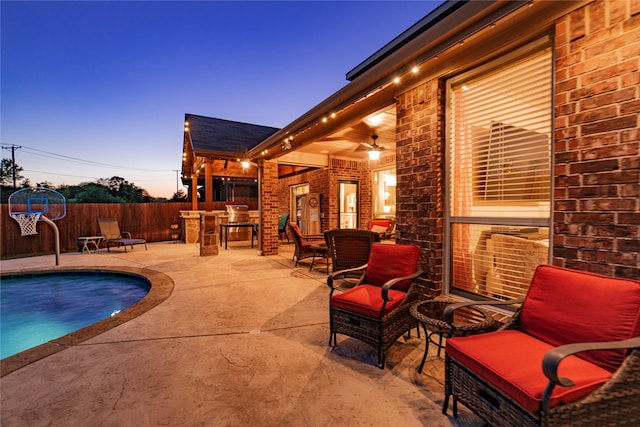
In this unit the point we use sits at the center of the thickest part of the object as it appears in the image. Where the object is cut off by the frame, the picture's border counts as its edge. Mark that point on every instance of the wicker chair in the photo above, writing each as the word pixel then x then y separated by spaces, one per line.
pixel 349 248
pixel 303 243
pixel 582 326
pixel 376 309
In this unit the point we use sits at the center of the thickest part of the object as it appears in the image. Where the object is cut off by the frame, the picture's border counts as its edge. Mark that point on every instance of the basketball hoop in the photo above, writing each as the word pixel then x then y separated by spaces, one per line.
pixel 30 205
pixel 27 221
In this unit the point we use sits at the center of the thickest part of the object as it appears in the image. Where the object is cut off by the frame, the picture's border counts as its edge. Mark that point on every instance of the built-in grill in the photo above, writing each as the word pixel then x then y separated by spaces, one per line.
pixel 237 214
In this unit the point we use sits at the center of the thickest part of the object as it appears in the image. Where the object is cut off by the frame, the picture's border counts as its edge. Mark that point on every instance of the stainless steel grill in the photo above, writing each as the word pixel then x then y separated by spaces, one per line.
pixel 238 214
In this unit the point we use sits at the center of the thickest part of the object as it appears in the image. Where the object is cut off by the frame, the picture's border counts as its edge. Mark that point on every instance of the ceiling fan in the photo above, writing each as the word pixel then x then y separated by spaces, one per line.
pixel 374 149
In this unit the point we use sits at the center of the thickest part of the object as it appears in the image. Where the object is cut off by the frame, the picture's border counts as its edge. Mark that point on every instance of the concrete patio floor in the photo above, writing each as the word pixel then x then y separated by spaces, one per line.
pixel 241 340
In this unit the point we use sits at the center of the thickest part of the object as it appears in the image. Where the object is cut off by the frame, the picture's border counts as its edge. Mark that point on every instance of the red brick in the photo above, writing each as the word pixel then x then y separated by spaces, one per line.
pixel 610 151
pixel 629 218
pixel 617 123
pixel 594 89
pixel 610 230
pixel 611 178
pixel 577 28
pixel 617 69
pixel 594 166
pixel 608 99
pixel 629 245
pixel 609 204
pixel 584 192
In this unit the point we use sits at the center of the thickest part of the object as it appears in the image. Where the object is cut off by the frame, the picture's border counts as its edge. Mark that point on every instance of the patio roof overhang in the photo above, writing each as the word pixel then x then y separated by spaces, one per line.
pixel 456 36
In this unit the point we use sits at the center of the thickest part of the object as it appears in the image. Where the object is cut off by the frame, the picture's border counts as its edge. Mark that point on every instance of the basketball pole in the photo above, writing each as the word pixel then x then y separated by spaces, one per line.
pixel 57 235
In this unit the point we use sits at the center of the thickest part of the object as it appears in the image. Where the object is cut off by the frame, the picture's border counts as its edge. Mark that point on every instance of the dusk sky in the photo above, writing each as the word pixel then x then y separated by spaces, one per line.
pixel 95 89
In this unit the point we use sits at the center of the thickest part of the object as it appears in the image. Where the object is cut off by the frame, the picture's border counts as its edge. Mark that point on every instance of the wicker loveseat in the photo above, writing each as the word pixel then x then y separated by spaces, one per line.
pixel 569 356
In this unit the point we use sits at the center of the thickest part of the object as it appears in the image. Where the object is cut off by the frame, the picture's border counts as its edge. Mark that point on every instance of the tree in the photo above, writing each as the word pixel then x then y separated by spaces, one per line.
pixel 6 172
pixel 180 196
pixel 95 193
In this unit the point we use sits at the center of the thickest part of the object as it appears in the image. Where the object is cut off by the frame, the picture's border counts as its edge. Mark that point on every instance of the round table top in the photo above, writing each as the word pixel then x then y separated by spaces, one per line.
pixel 466 320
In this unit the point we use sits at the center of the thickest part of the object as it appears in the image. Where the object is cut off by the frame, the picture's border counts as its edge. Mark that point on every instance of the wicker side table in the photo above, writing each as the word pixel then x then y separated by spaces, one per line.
pixel 466 321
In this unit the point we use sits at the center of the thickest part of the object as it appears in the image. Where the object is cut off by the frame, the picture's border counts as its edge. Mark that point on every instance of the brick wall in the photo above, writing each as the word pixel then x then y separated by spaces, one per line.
pixel 350 170
pixel 270 204
pixel 318 183
pixel 597 149
pixel 419 173
pixel 325 182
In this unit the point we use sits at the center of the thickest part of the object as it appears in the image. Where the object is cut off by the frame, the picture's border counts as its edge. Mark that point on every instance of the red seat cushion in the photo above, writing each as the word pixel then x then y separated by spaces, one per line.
pixel 567 306
pixel 512 362
pixel 306 243
pixel 366 300
pixel 388 262
pixel 386 223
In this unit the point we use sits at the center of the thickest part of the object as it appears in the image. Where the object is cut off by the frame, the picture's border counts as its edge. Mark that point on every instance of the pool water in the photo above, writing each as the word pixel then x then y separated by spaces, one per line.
pixel 38 307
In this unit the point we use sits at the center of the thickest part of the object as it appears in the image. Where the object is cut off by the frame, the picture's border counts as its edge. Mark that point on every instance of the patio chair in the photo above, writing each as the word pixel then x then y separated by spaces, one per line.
pixel 349 248
pixel 111 234
pixel 376 310
pixel 303 243
pixel 569 356
pixel 385 227
pixel 282 226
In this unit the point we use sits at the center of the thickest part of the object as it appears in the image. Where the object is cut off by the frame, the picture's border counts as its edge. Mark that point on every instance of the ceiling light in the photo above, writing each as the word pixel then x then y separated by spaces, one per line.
pixel 375 150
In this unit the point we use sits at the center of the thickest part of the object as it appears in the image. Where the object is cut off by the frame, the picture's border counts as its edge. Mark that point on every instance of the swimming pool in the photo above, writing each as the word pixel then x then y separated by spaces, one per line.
pixel 38 307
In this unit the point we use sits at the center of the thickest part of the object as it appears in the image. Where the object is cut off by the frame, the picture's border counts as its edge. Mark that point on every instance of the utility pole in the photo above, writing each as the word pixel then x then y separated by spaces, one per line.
pixel 13 162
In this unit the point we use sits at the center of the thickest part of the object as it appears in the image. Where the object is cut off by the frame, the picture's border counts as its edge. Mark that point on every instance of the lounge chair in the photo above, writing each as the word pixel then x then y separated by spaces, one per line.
pixel 111 234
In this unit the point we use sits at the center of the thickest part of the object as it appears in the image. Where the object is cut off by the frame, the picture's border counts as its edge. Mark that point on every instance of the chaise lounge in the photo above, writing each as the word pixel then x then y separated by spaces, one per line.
pixel 110 231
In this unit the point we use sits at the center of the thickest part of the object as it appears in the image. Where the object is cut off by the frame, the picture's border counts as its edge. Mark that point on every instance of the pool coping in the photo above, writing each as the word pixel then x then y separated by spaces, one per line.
pixel 161 288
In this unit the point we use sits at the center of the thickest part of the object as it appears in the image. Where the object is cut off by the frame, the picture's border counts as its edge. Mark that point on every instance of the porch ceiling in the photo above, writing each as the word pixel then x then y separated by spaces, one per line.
pixel 350 141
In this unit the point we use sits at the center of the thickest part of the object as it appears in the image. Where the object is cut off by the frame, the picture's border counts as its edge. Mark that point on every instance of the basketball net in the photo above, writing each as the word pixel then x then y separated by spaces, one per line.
pixel 27 222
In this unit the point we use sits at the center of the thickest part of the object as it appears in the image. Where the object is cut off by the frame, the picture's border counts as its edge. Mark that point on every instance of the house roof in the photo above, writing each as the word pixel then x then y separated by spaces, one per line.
pixel 217 139
pixel 455 37
pixel 223 138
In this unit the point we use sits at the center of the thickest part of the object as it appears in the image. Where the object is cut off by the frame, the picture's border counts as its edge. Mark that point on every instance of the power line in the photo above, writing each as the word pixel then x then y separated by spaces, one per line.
pixel 49 154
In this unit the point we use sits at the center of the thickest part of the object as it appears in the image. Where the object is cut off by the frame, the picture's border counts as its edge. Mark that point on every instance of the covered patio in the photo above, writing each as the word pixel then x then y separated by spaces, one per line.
pixel 241 340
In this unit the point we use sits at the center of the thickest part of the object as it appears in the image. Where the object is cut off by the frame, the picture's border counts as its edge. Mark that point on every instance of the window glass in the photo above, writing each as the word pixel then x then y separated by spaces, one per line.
pixel 499 174
pixel 384 193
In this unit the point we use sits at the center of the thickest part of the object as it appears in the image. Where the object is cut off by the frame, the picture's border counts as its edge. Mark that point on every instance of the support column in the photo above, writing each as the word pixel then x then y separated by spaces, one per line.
pixel 208 186
pixel 194 191
pixel 269 203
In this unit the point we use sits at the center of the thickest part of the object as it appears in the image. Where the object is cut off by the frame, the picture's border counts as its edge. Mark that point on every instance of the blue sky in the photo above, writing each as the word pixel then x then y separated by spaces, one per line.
pixel 95 89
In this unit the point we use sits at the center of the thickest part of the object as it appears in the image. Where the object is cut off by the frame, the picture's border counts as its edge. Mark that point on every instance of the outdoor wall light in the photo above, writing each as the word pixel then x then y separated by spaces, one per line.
pixel 245 164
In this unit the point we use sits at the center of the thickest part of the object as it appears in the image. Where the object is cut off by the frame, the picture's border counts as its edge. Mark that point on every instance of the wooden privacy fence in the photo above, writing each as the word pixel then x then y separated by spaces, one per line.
pixel 150 221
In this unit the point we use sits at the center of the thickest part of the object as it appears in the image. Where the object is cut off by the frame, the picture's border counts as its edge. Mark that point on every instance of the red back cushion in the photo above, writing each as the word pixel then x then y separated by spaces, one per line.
pixel 380 222
pixel 567 306
pixel 388 262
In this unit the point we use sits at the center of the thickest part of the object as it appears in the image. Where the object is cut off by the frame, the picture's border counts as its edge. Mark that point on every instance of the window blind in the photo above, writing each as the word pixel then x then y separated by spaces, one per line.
pixel 499 175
